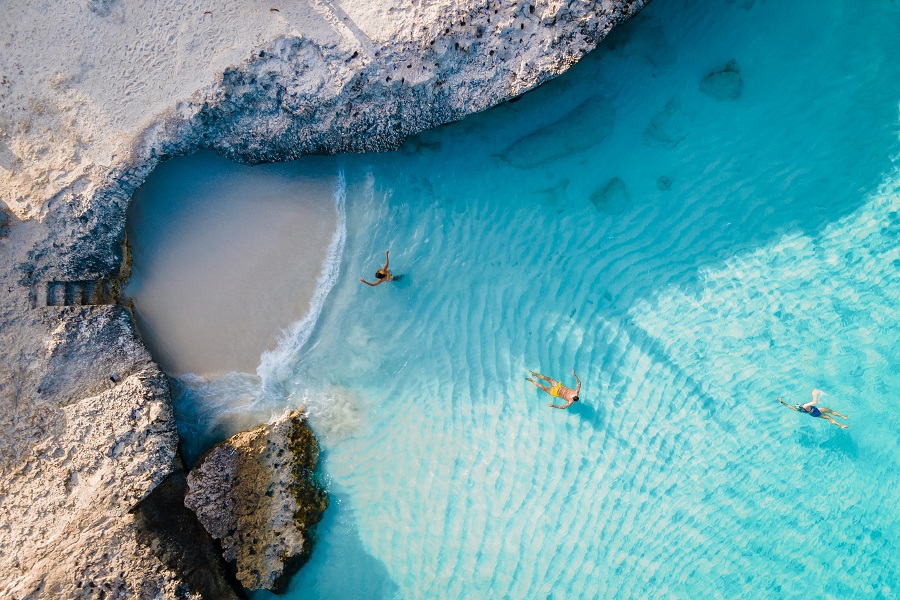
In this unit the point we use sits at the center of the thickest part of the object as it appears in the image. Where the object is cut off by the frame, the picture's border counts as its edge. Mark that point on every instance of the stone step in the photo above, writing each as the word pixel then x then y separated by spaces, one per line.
pixel 72 293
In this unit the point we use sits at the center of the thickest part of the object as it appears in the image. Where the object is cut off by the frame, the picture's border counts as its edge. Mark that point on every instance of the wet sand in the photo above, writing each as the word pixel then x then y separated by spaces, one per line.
pixel 225 257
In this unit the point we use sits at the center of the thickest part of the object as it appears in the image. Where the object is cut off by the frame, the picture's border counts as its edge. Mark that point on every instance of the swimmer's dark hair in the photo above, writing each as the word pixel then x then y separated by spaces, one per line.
pixel 380 275
pixel 575 398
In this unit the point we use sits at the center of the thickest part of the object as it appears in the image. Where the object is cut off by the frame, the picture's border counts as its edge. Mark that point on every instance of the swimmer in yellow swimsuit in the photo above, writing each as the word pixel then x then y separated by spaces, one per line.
pixel 558 390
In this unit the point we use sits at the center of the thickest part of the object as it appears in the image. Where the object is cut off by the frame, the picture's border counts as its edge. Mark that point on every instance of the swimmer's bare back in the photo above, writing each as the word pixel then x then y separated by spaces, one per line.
pixel 383 274
pixel 557 389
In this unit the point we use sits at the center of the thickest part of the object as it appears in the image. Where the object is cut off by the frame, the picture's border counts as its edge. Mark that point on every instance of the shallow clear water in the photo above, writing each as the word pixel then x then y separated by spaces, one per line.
pixel 692 258
pixel 225 255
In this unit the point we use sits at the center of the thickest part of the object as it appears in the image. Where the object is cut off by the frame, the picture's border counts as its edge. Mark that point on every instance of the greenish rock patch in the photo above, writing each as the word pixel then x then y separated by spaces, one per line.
pixel 257 494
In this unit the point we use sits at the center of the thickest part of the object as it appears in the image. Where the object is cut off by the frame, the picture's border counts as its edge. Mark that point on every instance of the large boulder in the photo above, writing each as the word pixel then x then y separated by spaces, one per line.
pixel 256 493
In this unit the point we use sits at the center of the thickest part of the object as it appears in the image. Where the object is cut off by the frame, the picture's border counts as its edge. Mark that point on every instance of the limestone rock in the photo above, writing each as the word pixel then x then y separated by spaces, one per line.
pixel 255 493
pixel 79 452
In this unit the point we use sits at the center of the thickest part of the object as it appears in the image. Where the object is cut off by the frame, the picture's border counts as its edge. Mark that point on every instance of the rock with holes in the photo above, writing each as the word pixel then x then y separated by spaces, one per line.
pixel 79 452
pixel 256 493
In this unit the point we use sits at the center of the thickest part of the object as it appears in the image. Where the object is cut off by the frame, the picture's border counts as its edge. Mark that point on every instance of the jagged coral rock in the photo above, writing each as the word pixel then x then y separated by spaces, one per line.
pixel 256 493
pixel 79 452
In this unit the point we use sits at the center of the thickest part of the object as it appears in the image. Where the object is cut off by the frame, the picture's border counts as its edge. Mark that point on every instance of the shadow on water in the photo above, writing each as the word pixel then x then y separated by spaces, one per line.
pixel 831 438
pixel 594 415
pixel 340 566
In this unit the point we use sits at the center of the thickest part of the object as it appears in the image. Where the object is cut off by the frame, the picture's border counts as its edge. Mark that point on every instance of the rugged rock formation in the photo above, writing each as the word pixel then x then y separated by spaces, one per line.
pixel 87 432
pixel 92 97
pixel 255 493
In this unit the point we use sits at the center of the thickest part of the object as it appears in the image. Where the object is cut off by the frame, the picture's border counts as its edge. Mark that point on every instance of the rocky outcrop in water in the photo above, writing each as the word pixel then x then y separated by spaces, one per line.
pixel 86 427
pixel 257 495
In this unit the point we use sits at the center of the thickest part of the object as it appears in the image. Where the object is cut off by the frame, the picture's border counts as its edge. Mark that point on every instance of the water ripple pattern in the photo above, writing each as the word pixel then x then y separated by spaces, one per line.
pixel 700 217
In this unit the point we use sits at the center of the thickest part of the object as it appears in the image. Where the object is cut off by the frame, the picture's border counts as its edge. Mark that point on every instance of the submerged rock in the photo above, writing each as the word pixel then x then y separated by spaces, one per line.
pixel 553 195
pixel 663 183
pixel 255 492
pixel 612 197
pixel 724 84
pixel 594 117
pixel 668 127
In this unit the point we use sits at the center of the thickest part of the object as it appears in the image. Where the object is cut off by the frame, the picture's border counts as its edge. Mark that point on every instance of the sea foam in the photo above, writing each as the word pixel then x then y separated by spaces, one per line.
pixel 210 408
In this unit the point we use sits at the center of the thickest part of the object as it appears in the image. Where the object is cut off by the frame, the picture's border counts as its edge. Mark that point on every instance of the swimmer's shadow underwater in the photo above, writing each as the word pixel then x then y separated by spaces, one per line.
pixel 832 439
pixel 588 413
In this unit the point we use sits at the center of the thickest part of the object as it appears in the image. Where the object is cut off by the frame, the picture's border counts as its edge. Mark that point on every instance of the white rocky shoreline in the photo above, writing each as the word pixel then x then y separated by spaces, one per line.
pixel 92 98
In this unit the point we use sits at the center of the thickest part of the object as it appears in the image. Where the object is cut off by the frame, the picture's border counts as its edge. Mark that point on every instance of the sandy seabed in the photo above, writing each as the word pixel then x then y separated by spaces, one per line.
pixel 226 257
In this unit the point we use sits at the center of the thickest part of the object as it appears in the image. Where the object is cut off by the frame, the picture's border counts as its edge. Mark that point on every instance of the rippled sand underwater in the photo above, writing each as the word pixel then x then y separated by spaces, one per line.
pixel 701 216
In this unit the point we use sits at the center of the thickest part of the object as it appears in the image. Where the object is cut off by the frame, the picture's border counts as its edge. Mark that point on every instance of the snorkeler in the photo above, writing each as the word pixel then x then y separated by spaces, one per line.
pixel 558 390
pixel 812 410
pixel 383 274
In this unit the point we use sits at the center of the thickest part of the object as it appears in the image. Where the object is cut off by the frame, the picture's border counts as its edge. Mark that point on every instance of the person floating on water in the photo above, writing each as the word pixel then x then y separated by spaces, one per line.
pixel 557 389
pixel 383 274
pixel 812 410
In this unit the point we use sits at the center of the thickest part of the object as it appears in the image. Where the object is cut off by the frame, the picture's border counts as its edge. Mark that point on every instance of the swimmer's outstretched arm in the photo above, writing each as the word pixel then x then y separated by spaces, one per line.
pixel 815 399
pixel 578 388
pixel 564 406
pixel 372 284
pixel 788 405
pixel 387 259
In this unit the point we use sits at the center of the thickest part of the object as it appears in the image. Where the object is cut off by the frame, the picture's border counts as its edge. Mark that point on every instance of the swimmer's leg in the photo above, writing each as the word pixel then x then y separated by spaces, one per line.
pixel 543 387
pixel 833 422
pixel 544 377
pixel 833 412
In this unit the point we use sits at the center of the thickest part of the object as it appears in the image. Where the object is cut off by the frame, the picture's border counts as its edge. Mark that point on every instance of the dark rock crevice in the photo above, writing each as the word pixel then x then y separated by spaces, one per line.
pixel 172 532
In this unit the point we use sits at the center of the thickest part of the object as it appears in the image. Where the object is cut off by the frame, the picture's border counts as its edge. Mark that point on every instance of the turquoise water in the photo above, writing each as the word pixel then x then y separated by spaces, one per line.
pixel 692 257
